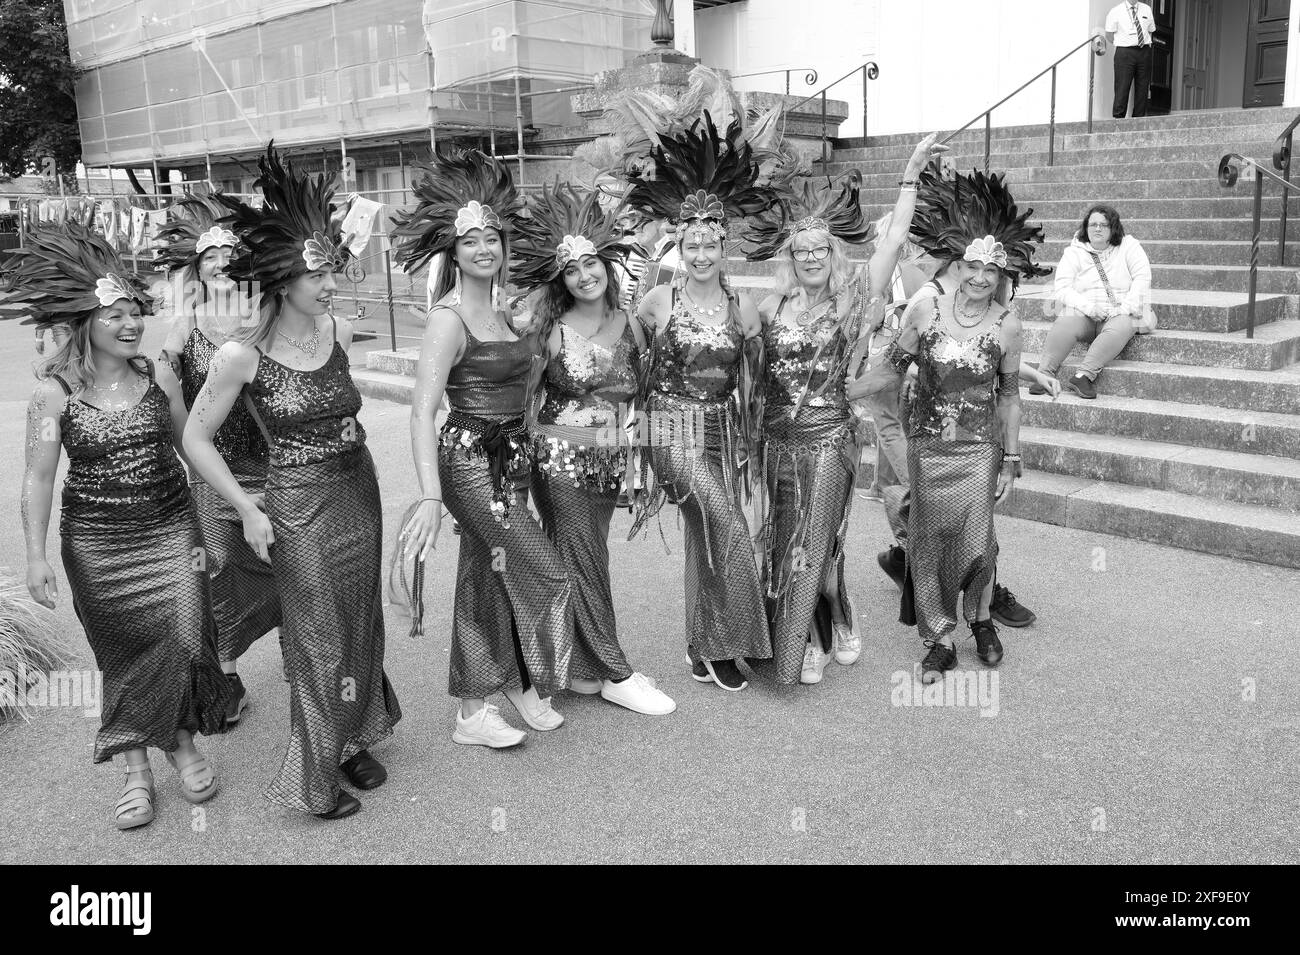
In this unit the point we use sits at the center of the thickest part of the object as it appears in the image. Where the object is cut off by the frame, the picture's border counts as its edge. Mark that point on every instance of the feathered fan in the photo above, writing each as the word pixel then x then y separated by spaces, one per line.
pixel 66 272
pixel 463 188
pixel 950 216
pixel 835 207
pixel 194 223
pixel 294 232
pixel 559 220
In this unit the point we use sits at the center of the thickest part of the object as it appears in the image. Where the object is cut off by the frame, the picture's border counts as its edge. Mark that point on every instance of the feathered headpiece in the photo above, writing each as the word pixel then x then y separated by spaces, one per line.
pixel 192 230
pixel 834 207
pixel 563 224
pixel 455 193
pixel 974 218
pixel 701 179
pixel 65 273
pixel 296 231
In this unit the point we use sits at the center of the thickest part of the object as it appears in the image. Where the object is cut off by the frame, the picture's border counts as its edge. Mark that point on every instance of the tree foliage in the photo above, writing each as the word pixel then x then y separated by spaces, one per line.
pixel 38 107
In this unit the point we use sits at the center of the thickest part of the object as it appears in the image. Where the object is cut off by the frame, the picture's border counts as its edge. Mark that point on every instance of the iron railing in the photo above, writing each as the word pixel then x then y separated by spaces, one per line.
pixel 1282 163
pixel 1098 43
pixel 870 70
pixel 809 75
pixel 1230 169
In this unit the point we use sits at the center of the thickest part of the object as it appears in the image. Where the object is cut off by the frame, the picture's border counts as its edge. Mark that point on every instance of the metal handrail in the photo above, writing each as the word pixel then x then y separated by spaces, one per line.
pixel 870 71
pixel 1229 172
pixel 1098 43
pixel 809 75
pixel 1282 162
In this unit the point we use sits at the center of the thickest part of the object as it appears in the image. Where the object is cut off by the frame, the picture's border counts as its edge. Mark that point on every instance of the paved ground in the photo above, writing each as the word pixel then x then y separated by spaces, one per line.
pixel 1121 733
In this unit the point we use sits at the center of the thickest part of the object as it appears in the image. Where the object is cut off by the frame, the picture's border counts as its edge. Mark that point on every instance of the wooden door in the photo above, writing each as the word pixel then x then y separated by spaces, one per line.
pixel 1198 49
pixel 1162 58
pixel 1266 39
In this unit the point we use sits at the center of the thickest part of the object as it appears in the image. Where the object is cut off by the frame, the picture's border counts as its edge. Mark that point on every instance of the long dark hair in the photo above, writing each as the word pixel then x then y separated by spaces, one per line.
pixel 445 279
pixel 555 299
pixel 1112 219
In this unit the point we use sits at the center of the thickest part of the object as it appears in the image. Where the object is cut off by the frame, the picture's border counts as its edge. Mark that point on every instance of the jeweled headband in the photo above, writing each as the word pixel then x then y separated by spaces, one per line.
pixel 324 252
pixel 811 222
pixel 573 248
pixel 701 218
pixel 476 215
pixel 215 238
pixel 988 251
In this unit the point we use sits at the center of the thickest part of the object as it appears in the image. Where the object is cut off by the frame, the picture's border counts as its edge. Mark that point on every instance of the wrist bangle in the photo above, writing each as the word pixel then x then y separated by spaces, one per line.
pixel 1011 457
pixel 909 182
pixel 423 499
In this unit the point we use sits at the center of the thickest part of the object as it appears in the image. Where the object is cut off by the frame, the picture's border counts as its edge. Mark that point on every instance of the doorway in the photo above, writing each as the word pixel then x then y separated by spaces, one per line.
pixel 1226 54
pixel 1266 40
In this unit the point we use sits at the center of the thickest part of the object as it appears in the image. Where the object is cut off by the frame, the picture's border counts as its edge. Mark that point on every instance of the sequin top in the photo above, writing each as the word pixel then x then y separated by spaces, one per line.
pixel 696 360
pixel 957 385
pixel 238 440
pixel 587 383
pixel 491 378
pixel 311 416
pixel 122 465
pixel 793 362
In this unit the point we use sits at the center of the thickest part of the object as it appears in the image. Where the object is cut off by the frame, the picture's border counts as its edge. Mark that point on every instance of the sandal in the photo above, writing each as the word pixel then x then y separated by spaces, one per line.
pixel 137 795
pixel 193 772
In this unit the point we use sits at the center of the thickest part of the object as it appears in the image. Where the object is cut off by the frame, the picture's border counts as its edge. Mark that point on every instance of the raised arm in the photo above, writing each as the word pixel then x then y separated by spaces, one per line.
pixel 1009 403
pixel 880 270
pixel 44 442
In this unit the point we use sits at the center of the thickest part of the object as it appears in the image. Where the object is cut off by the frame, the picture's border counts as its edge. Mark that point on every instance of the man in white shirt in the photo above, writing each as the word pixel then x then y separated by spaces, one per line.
pixel 1131 26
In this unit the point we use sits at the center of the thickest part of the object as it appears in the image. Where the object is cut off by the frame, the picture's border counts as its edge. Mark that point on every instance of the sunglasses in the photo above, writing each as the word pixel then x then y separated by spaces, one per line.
pixel 817 254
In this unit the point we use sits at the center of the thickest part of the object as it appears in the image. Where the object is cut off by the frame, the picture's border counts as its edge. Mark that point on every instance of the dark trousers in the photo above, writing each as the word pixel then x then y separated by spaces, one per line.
pixel 1132 69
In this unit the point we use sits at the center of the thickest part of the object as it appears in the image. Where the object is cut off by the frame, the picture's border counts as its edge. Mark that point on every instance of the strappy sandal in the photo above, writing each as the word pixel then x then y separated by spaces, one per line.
pixel 135 795
pixel 189 772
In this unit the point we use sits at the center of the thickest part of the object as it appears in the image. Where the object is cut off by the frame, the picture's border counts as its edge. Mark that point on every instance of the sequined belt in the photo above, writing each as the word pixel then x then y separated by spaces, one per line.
pixel 503 443
pixel 598 456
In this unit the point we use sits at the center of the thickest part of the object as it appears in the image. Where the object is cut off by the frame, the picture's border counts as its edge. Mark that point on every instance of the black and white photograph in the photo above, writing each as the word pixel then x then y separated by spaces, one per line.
pixel 652 432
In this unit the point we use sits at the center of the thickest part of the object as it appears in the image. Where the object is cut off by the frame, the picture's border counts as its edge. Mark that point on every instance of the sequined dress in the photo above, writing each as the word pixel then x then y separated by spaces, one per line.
pixel 323 501
pixel 513 621
pixel 810 460
pixel 244 599
pixel 581 461
pixel 696 442
pixel 954 453
pixel 133 555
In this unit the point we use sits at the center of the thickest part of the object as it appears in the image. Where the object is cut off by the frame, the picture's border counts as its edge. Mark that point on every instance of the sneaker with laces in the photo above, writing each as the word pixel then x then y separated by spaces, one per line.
pixel 486 728
pixel 893 561
pixel 1008 611
pixel 941 657
pixel 814 662
pixel 987 645
pixel 1081 386
pixel 848 639
pixel 536 712
pixel 638 694
pixel 726 674
pixel 584 686
pixel 238 699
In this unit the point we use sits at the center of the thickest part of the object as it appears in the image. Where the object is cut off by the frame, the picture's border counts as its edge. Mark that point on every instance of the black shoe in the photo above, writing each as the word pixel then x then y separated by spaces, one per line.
pixel 939 658
pixel 987 645
pixel 726 674
pixel 699 671
pixel 1008 611
pixel 364 771
pixel 1081 386
pixel 347 805
pixel 238 699
pixel 1037 389
pixel 894 563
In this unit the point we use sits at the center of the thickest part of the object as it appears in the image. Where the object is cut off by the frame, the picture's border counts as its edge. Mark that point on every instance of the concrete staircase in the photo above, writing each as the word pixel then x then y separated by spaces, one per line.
pixel 1194 440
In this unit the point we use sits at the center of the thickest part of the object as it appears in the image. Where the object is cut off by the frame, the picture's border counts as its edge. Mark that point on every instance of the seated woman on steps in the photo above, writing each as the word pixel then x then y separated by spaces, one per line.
pixel 1102 293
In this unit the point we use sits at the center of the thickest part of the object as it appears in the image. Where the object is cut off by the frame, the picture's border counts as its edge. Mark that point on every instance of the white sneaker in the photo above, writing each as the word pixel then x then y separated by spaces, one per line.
pixel 639 694
pixel 486 728
pixel 848 640
pixel 536 712
pixel 585 687
pixel 814 662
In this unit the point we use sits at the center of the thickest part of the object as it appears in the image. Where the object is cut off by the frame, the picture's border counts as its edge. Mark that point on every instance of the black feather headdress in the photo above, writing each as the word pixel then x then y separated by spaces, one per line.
pixel 702 178
pixel 296 231
pixel 455 193
pixel 974 217
pixel 835 207
pixel 192 230
pixel 563 224
pixel 64 274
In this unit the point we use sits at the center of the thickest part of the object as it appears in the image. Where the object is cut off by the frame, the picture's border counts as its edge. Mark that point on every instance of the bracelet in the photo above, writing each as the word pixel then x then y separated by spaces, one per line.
pixel 909 182
pixel 907 189
pixel 1011 457
pixel 423 499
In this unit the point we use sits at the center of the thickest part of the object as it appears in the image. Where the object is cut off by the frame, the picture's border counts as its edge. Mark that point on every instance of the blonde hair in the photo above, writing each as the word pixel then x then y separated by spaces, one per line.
pixel 74 359
pixel 787 281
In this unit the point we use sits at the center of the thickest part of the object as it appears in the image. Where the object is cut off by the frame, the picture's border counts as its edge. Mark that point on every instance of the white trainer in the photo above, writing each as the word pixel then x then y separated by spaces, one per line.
pixel 848 640
pixel 814 662
pixel 638 694
pixel 536 712
pixel 486 728
pixel 585 687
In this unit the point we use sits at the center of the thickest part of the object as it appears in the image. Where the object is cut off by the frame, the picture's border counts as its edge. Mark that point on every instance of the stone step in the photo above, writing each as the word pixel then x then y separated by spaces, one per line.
pixel 1224 429
pixel 1228 204
pixel 1186 251
pixel 1019 174
pixel 1275 346
pixel 384 385
pixel 1245 531
pixel 1117 194
pixel 1034 153
pixel 1217 475
pixel 1273 391
pixel 1192 311
pixel 1202 230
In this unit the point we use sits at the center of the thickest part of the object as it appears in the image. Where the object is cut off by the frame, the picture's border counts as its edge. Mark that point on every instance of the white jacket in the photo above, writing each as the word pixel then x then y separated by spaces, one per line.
pixel 1078 284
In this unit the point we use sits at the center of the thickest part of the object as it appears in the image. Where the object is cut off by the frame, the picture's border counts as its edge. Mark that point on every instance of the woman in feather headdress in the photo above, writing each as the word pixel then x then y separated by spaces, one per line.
pixel 208 310
pixel 815 325
pixel 700 390
pixel 320 523
pixel 513 623
pixel 568 248
pixel 128 528
pixel 963 453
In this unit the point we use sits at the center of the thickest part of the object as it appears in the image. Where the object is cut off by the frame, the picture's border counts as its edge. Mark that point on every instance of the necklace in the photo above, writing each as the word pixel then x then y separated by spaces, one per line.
pixel 709 312
pixel 122 399
pixel 978 317
pixel 808 314
pixel 308 347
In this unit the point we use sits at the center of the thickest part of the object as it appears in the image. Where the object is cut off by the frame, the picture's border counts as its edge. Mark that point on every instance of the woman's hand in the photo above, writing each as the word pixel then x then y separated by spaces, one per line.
pixel 1006 481
pixel 1049 382
pixel 907 389
pixel 258 532
pixel 41 583
pixel 420 535
pixel 925 150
